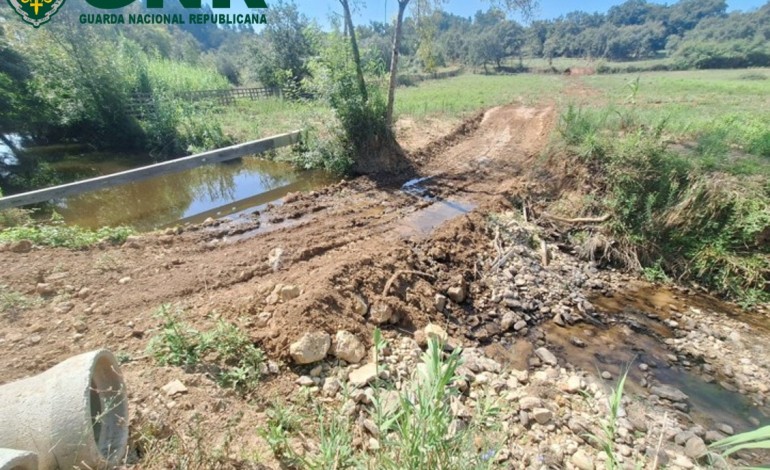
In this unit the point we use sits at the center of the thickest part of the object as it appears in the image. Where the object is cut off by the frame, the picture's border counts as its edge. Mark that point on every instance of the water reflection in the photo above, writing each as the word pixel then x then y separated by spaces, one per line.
pixel 189 196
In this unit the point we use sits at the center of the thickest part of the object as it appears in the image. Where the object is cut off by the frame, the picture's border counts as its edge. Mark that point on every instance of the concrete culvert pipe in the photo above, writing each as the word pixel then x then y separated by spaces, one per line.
pixel 72 415
pixel 11 459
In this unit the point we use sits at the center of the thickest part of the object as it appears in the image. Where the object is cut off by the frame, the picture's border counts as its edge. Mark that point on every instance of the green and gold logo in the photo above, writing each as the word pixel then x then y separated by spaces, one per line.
pixel 36 12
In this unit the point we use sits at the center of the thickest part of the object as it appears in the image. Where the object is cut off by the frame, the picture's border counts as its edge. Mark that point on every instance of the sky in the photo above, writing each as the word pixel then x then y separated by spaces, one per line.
pixel 375 10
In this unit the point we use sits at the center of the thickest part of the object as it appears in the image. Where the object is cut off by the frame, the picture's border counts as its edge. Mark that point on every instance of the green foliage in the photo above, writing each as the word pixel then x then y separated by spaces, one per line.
pixel 362 126
pixel 757 439
pixel 415 424
pixel 225 353
pixel 678 215
pixel 609 425
pixel 59 235
pixel 12 302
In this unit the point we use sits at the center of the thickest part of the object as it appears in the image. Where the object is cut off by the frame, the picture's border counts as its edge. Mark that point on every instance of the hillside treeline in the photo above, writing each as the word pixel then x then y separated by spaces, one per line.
pixel 73 82
pixel 692 33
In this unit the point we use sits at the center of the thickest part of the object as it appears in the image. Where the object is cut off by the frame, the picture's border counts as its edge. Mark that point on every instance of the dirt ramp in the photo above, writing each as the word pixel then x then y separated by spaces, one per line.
pixel 506 135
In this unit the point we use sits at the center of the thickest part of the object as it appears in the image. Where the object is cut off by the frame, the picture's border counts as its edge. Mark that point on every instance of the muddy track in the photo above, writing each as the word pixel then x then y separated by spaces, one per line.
pixel 316 241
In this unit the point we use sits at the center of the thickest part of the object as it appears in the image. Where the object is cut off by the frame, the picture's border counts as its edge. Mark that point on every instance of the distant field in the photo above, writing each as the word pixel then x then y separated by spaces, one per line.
pixel 468 93
pixel 731 106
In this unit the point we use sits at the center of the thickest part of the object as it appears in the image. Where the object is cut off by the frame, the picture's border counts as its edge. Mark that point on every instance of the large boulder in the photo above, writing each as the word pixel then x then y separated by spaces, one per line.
pixel 312 347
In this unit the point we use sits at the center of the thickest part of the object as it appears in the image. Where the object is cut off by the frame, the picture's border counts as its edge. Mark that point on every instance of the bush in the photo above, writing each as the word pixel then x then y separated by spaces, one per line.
pixel 675 216
pixel 362 128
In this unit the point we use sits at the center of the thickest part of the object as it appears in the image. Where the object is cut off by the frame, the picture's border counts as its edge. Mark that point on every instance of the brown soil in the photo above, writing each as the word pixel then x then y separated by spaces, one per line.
pixel 338 245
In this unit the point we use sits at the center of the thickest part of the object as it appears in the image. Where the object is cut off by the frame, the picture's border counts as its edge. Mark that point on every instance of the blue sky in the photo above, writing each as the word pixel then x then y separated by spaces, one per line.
pixel 375 9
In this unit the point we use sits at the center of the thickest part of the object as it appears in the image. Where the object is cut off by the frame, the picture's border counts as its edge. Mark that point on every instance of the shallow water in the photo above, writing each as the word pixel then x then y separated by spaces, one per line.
pixel 639 339
pixel 189 196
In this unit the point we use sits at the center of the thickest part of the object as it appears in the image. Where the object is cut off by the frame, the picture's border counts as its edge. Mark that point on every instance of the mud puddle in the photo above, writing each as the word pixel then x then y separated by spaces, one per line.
pixel 424 221
pixel 638 323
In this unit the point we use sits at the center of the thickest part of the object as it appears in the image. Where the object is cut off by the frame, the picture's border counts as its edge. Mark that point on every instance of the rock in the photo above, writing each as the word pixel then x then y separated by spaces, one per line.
pixel 725 429
pixel 681 438
pixel 173 388
pixel 530 403
pixel 713 436
pixel 695 448
pixel 316 371
pixel 124 280
pixel 520 325
pixel 644 367
pixel 45 289
pixel 575 384
pixel 434 331
pixel 508 321
pixel 305 381
pixel 577 342
pixel 348 348
pixel 542 415
pixel 363 375
pixel 682 462
pixel 360 307
pixel 546 356
pixel 21 246
pixel 457 294
pixel 582 461
pixel 312 347
pixel 288 292
pixel 381 313
pixel 439 301
pixel 559 320
pixel 669 393
pixel 84 292
pixel 331 387
pixel 263 319
pixel 606 375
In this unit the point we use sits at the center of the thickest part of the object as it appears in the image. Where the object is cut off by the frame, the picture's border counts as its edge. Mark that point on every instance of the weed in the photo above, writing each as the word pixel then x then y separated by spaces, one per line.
pixel 59 235
pixel 656 273
pixel 757 439
pixel 177 344
pixel 225 353
pixel 609 426
pixel 12 302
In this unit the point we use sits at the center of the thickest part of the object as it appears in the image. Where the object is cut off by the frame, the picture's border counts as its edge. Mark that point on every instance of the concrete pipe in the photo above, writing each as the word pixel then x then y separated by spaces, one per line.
pixel 11 459
pixel 72 415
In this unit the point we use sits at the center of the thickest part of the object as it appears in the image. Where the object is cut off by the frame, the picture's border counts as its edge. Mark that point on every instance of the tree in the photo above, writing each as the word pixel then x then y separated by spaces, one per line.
pixel 281 59
pixel 423 9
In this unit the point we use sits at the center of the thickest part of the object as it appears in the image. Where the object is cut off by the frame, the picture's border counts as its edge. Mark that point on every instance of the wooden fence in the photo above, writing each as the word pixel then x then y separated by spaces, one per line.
pixel 141 102
pixel 151 171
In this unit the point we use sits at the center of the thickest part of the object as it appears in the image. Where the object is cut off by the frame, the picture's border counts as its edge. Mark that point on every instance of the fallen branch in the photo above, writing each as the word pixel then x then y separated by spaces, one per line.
pixel 583 220
pixel 501 260
pixel 395 275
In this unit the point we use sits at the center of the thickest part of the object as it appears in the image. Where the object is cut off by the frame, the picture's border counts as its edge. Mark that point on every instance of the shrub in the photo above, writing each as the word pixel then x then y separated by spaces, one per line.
pixel 226 354
pixel 675 216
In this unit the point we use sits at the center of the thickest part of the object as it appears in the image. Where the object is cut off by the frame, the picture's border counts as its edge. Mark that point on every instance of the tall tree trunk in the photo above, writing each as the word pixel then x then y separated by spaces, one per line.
pixel 402 4
pixel 356 53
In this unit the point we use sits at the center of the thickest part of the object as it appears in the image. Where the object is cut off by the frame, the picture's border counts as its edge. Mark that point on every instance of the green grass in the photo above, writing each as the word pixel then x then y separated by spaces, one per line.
pixel 717 107
pixel 12 302
pixel 224 353
pixel 64 236
pixel 415 432
pixel 469 93
pixel 681 159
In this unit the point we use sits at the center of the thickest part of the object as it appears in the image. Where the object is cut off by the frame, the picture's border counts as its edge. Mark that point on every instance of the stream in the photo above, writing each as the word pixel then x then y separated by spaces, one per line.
pixel 190 196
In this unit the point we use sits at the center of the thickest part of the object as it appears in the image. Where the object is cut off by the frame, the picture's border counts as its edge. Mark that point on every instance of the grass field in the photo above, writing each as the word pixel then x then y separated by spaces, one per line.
pixel 455 97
